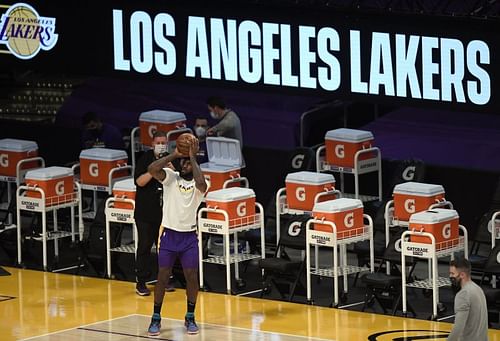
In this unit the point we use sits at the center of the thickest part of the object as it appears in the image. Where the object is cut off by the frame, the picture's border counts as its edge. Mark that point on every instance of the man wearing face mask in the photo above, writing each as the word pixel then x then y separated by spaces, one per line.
pixel 97 134
pixel 200 129
pixel 471 314
pixel 229 123
pixel 148 210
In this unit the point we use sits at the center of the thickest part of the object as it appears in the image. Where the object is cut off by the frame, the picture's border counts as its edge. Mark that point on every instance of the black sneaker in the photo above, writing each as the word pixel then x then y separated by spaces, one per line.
pixel 142 290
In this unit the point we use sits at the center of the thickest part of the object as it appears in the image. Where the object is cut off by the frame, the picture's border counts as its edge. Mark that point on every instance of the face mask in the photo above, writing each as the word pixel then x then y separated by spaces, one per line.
pixel 200 131
pixel 160 149
pixel 455 284
pixel 213 115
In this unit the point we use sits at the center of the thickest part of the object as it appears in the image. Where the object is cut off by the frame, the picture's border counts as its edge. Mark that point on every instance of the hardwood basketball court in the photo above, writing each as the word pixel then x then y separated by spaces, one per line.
pixel 39 305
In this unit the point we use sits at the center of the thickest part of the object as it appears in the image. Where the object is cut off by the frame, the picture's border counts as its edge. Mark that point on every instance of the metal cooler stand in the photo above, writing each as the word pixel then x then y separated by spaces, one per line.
pixel 32 204
pixel 100 188
pixel 360 167
pixel 282 208
pixel 17 180
pixel 119 215
pixel 431 252
pixel 330 239
pixel 391 221
pixel 226 228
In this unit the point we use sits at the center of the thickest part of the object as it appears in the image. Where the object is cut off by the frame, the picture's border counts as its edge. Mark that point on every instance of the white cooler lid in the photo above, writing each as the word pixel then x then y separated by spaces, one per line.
pixel 15 145
pixel 224 151
pixel 48 173
pixel 162 116
pixel 214 168
pixel 348 135
pixel 310 178
pixel 337 205
pixel 434 216
pixel 231 194
pixel 418 188
pixel 126 185
pixel 104 154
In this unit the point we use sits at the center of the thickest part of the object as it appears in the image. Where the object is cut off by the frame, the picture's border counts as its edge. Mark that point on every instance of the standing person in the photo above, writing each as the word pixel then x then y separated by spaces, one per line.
pixel 178 237
pixel 200 129
pixel 471 314
pixel 148 211
pixel 98 134
pixel 229 124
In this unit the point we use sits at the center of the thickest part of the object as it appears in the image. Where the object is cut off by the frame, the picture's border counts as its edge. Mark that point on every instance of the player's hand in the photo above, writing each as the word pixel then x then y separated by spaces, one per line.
pixel 177 153
pixel 194 147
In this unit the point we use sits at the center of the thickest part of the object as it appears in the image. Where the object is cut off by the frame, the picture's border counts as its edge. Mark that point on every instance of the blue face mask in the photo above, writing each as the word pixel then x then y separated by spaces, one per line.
pixel 213 115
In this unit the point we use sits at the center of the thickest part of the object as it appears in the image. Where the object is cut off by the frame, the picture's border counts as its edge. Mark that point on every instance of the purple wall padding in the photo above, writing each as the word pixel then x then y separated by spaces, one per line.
pixel 269 120
pixel 458 139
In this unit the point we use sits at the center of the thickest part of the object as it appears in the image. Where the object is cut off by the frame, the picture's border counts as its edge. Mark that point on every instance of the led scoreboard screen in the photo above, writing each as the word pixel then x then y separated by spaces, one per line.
pixel 401 59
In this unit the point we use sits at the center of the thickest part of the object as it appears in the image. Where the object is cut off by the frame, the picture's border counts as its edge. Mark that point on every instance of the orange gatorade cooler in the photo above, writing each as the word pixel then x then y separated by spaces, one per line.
pixel 347 214
pixel 153 120
pixel 224 161
pixel 96 163
pixel 124 189
pixel 56 183
pixel 441 223
pixel 12 151
pixel 302 188
pixel 413 197
pixel 239 203
pixel 343 143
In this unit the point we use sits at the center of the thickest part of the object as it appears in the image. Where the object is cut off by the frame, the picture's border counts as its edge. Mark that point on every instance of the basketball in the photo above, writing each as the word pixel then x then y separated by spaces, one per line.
pixel 184 142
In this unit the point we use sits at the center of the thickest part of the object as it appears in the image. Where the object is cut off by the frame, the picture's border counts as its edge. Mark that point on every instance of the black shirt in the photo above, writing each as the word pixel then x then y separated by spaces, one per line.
pixel 148 199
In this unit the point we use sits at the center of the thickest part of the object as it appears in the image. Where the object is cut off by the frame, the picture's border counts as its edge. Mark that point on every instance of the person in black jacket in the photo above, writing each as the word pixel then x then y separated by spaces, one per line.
pixel 148 210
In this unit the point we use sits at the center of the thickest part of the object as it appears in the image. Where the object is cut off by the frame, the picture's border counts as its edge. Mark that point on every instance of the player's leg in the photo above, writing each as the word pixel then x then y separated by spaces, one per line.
pixel 189 258
pixel 166 260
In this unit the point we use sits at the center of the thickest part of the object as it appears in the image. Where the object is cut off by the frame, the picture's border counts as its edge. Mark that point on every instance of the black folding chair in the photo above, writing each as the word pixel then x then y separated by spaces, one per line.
pixel 285 270
pixel 386 289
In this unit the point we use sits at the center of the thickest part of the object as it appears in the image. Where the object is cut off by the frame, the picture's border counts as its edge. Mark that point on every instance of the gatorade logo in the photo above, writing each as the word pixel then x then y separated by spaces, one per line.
pixel 294 228
pixel 4 160
pixel 300 194
pixel 241 209
pixel 409 173
pixel 60 188
pixel 151 130
pixel 446 231
pixel 410 205
pixel 397 245
pixel 339 151
pixel 298 161
pixel 349 220
pixel 94 170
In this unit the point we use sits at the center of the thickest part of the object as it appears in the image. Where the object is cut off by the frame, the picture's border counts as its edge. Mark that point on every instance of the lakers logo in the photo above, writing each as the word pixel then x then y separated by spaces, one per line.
pixel 25 32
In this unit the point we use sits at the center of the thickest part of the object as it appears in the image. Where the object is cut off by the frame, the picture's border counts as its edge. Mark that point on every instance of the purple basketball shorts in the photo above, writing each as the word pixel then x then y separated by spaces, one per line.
pixel 175 244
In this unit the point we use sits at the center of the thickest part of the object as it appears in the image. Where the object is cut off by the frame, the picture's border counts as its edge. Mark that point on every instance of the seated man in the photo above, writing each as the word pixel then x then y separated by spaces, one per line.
pixel 97 134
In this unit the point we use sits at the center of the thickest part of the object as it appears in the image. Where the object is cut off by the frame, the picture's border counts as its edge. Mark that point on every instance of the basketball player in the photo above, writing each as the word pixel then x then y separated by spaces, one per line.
pixel 178 237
